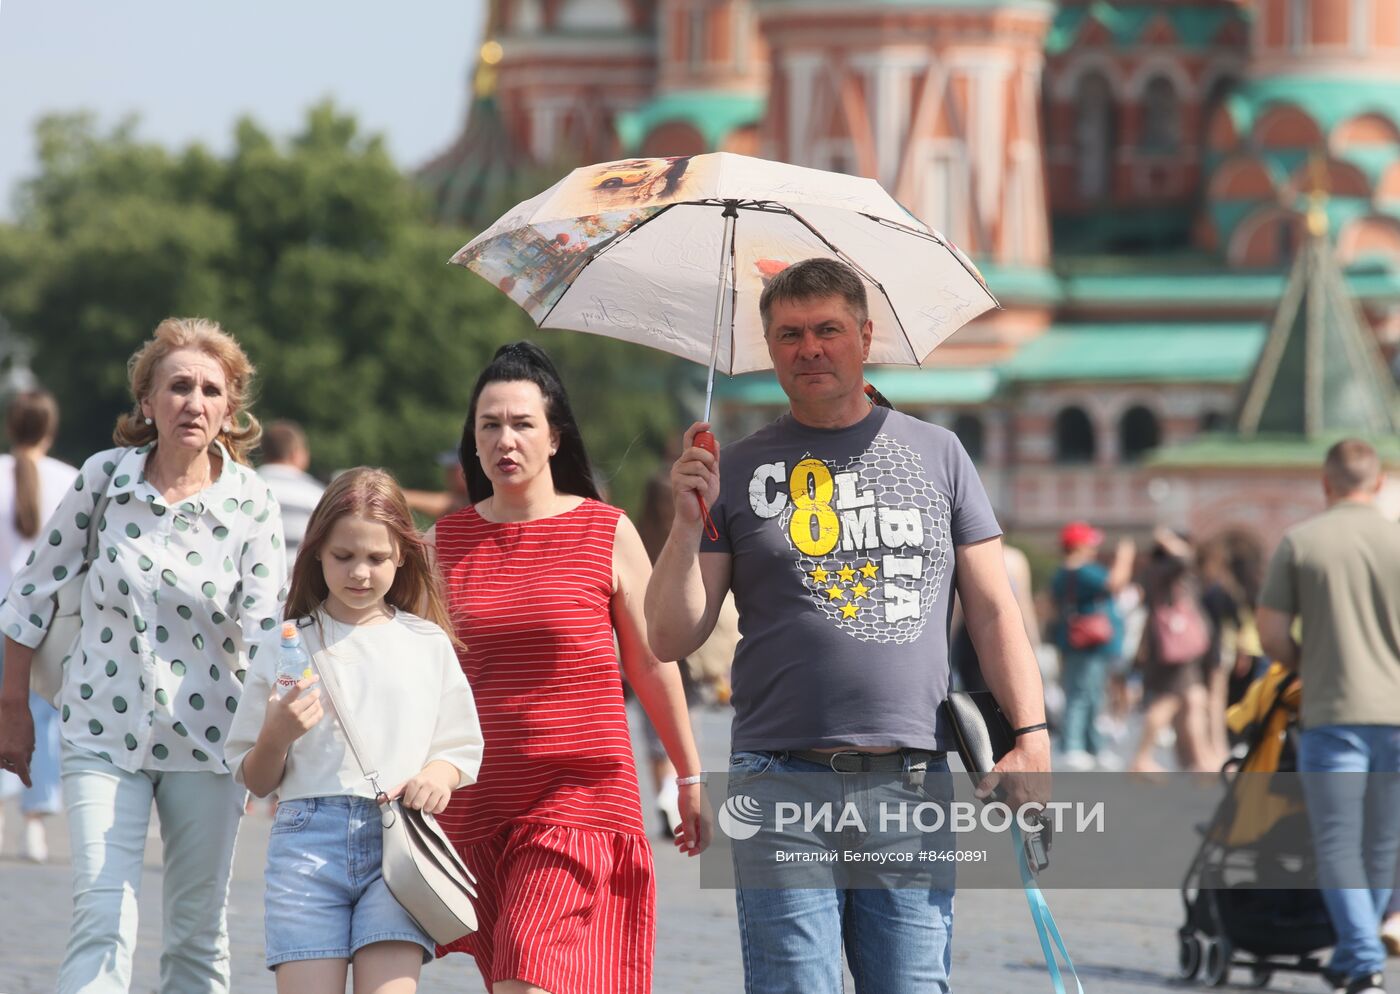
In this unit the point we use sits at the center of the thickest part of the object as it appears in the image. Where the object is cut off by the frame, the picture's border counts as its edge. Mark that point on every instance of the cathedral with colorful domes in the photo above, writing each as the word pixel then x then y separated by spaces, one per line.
pixel 1145 184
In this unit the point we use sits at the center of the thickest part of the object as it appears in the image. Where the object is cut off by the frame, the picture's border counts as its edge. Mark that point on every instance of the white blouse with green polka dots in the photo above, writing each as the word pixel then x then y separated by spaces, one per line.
pixel 173 608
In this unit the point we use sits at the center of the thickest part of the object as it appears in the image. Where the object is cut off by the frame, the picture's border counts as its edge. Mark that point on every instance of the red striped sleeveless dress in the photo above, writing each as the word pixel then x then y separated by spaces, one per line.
pixel 553 826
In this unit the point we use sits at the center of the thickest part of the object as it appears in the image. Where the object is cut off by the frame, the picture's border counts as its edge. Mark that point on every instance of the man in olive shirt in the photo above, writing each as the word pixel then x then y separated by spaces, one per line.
pixel 1339 574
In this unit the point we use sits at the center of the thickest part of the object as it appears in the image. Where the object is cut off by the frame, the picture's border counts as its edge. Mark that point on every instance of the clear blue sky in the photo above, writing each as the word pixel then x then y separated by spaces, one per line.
pixel 190 68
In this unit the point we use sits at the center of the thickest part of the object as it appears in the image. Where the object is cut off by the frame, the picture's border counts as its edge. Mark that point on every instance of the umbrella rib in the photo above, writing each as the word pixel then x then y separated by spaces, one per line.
pixel 938 240
pixel 862 271
pixel 602 250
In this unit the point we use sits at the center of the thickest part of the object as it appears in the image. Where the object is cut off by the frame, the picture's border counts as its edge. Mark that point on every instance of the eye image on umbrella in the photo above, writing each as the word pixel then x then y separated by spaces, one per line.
pixel 637 182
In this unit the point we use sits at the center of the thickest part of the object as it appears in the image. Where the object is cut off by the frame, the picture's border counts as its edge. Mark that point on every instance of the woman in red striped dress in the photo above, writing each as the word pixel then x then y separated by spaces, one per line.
pixel 541 575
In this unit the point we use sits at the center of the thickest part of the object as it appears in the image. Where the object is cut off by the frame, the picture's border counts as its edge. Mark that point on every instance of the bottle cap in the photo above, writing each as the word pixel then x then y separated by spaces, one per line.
pixel 289 631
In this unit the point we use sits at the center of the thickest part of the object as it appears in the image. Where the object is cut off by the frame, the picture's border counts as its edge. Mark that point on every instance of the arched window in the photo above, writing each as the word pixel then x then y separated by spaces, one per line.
pixel 1074 436
pixel 968 428
pixel 1093 136
pixel 1161 117
pixel 1216 96
pixel 697 36
pixel 1138 433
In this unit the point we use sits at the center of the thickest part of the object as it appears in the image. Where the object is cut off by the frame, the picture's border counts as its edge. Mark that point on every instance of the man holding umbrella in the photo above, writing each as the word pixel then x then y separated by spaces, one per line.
pixel 842 529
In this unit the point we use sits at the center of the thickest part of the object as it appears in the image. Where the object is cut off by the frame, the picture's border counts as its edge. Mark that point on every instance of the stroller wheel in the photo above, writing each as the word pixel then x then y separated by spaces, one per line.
pixel 1188 956
pixel 1260 975
pixel 1219 952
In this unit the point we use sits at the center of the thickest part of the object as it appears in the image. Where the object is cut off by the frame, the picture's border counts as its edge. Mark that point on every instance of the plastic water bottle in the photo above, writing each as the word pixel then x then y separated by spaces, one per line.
pixel 293 664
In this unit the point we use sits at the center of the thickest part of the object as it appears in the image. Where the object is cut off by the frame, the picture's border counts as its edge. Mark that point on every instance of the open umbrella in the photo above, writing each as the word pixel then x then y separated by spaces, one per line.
pixel 674 253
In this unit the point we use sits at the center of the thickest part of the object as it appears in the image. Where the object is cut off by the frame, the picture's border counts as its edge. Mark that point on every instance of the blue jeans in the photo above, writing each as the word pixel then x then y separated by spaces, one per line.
pixel 1083 674
pixel 1356 831
pixel 44 797
pixel 326 897
pixel 897 940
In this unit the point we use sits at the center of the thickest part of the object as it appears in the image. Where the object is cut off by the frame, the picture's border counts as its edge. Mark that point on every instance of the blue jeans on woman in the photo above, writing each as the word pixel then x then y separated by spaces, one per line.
pixel 1355 822
pixel 44 796
pixel 897 940
pixel 1083 674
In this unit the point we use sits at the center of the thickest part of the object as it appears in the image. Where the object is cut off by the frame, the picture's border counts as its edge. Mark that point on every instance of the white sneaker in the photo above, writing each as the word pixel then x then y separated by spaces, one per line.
pixel 1366 984
pixel 668 802
pixel 36 843
pixel 1077 761
pixel 1107 762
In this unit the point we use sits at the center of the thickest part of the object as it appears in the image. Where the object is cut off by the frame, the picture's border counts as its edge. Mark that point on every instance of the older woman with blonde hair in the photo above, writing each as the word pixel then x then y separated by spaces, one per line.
pixel 187 578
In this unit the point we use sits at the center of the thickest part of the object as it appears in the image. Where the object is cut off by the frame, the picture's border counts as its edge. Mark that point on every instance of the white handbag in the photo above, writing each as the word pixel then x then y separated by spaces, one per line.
pixel 421 867
pixel 61 639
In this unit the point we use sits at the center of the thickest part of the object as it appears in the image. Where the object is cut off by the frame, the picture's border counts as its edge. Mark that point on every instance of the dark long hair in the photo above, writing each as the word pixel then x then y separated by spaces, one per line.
pixel 525 362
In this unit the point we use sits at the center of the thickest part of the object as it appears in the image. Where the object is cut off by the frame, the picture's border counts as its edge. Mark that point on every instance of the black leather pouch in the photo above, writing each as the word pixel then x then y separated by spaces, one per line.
pixel 982 733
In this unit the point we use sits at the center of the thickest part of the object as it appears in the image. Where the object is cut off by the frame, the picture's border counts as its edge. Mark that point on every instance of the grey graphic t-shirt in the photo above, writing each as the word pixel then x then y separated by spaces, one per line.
pixel 842 543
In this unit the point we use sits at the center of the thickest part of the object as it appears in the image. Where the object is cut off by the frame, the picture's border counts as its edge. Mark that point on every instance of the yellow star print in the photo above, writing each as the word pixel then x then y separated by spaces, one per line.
pixel 846 574
pixel 835 593
pixel 849 610
pixel 870 569
pixel 860 590
pixel 819 575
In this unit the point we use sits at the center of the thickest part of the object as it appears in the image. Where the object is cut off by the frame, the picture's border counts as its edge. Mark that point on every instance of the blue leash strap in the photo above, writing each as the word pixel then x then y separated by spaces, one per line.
pixel 1045 926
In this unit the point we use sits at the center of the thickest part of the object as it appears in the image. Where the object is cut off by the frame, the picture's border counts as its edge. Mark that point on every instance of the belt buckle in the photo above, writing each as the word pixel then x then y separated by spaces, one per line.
pixel 837 755
pixel 918 769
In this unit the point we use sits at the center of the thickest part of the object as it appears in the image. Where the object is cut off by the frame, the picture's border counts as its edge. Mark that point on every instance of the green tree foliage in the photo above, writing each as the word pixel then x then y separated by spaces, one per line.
pixel 316 254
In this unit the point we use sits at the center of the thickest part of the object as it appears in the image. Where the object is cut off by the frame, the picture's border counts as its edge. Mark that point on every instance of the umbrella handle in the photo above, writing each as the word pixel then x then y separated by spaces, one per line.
pixel 706 440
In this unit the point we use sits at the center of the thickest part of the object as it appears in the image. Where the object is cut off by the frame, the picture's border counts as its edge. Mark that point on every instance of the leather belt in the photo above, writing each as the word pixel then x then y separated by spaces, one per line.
pixel 852 761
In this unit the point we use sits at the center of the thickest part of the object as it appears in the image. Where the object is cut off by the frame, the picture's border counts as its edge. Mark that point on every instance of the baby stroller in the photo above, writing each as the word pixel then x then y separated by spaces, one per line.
pixel 1230 922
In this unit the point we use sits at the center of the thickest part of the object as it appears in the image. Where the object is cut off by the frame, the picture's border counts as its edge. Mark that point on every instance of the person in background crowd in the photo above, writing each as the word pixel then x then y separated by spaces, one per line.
pixel 1088 632
pixel 653 525
pixel 1124 689
pixel 286 459
pixel 1173 656
pixel 453 497
pixel 31 485
pixel 967 668
pixel 1339 574
pixel 1230 570
pixel 188 579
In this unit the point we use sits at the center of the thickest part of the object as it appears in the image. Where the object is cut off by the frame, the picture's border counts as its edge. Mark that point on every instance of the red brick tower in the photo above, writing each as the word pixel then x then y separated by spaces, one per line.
pixel 568 68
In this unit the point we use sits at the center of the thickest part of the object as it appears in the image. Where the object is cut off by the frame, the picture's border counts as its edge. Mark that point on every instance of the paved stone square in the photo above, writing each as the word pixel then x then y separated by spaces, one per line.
pixel 1123 941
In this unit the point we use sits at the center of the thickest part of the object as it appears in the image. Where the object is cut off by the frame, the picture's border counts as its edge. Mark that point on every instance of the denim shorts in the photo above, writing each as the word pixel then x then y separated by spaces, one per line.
pixel 326 897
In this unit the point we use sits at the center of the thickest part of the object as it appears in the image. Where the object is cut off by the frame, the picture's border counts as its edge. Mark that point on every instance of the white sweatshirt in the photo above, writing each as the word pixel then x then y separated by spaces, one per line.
pixel 402 683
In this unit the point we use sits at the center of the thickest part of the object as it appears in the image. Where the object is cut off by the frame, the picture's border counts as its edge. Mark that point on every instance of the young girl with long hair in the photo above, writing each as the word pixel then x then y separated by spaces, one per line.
pixel 365 601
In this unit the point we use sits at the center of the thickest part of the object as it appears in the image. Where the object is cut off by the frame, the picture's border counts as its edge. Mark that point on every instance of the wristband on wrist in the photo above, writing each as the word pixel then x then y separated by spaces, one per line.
pixel 687 781
pixel 1018 732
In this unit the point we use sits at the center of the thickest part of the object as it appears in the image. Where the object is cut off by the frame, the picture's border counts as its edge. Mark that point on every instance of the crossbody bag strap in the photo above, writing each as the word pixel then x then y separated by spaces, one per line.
pixel 1045 928
pixel 331 685
pixel 1071 602
pixel 94 539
